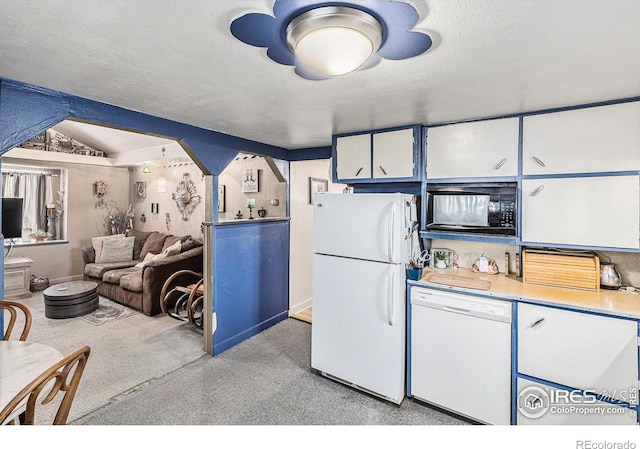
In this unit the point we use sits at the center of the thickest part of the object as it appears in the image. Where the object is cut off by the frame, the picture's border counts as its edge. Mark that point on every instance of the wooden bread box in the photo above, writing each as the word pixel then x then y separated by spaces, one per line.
pixel 580 270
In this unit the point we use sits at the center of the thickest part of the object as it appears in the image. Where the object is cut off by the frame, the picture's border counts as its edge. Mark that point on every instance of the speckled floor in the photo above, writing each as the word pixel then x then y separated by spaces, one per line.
pixel 265 380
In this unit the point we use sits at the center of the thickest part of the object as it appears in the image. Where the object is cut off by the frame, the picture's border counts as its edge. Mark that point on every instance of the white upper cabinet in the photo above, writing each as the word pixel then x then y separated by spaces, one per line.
pixel 393 154
pixel 486 148
pixel 591 211
pixel 377 156
pixel 597 139
pixel 353 156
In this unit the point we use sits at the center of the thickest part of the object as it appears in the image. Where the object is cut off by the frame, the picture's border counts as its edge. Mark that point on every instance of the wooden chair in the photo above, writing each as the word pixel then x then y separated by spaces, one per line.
pixel 15 309
pixel 62 376
pixel 182 295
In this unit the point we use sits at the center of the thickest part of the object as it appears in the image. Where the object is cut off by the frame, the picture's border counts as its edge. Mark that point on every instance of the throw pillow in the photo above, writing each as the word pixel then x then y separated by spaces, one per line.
pixel 153 244
pixel 138 243
pixel 190 243
pixel 117 250
pixel 170 251
pixel 173 239
pixel 97 244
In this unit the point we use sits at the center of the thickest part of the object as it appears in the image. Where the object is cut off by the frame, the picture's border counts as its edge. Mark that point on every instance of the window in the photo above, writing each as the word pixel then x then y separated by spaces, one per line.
pixel 42 189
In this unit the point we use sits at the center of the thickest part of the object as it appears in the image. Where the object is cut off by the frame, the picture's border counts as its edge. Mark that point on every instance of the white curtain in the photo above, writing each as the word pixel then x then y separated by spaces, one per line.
pixel 37 191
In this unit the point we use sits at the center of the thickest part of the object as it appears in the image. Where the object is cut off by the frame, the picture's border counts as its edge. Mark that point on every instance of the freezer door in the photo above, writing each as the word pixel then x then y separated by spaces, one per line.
pixel 362 226
pixel 358 332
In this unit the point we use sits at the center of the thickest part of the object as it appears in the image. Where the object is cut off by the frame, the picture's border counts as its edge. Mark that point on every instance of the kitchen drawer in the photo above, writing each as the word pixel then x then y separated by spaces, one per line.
pixel 579 350
pixel 539 404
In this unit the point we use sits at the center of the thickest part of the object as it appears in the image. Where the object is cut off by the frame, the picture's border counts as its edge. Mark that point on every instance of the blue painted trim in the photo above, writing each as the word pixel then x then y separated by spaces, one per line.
pixel 510 240
pixel 472 180
pixel 558 386
pixel 409 342
pixel 569 309
pixel 398 187
pixel 581 247
pixel 582 175
pixel 514 362
pixel 248 333
pixel 310 154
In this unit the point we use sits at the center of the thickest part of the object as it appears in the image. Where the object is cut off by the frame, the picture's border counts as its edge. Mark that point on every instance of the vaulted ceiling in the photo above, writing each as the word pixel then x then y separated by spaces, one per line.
pixel 178 60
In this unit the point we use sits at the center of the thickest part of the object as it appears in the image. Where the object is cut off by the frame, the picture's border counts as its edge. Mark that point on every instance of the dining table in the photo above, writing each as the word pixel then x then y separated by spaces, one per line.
pixel 20 363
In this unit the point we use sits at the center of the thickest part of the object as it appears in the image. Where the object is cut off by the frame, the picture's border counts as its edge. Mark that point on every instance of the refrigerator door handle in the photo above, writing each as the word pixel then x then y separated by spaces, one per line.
pixel 390 296
pixel 391 232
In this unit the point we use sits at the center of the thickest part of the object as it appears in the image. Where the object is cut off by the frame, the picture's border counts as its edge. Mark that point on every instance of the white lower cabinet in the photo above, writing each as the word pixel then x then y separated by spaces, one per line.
pixel 581 351
pixel 540 404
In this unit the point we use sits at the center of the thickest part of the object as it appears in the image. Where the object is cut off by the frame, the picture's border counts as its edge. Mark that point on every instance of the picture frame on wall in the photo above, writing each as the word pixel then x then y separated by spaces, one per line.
pixel 141 189
pixel 250 180
pixel 221 202
pixel 317 185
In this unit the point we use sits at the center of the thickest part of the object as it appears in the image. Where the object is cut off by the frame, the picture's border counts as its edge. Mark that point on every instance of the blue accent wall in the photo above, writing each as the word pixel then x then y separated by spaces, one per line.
pixel 250 289
pixel 257 299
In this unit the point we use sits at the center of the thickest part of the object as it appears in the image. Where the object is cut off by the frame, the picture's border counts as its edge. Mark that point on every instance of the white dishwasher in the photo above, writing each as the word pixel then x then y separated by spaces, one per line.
pixel 461 354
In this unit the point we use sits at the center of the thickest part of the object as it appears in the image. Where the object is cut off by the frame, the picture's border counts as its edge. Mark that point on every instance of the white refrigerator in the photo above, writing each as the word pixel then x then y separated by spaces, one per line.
pixel 361 244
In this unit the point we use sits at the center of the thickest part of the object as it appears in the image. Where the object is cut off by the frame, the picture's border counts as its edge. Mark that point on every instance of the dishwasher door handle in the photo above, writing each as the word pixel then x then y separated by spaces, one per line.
pixel 456 309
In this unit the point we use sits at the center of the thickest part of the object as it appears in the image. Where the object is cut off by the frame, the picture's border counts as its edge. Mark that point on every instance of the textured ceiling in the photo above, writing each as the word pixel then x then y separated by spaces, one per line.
pixel 178 60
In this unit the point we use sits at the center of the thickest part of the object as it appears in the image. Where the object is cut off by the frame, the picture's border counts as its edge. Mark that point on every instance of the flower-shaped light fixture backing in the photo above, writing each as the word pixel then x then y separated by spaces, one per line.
pixel 396 19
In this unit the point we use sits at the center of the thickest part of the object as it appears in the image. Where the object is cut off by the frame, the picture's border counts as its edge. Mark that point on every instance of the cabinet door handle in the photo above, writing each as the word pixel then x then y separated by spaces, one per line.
pixel 500 164
pixel 536 323
pixel 382 170
pixel 537 190
pixel 359 170
pixel 538 161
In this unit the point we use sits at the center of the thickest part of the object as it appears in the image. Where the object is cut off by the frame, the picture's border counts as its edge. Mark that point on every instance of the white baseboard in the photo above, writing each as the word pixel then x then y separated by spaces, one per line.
pixel 65 279
pixel 297 308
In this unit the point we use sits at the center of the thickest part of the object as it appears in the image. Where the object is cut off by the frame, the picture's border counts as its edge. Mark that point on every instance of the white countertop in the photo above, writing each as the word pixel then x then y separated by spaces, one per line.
pixel 620 303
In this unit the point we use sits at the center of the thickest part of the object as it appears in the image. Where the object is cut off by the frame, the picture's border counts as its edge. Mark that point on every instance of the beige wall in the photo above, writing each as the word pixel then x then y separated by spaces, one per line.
pixel 301 249
pixel 167 178
pixel 269 188
pixel 62 262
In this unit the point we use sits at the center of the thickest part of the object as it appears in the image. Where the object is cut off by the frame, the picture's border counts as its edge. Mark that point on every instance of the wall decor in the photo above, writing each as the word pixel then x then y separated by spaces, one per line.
pixel 185 197
pixel 155 207
pixel 100 190
pixel 167 221
pixel 221 192
pixel 141 189
pixel 250 180
pixel 317 185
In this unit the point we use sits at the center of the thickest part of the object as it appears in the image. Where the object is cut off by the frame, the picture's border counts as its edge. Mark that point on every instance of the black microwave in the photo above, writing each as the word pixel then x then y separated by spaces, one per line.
pixel 479 208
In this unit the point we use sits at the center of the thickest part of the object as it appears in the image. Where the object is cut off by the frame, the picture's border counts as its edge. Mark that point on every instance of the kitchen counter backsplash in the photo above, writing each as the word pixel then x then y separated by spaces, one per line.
pixel 628 264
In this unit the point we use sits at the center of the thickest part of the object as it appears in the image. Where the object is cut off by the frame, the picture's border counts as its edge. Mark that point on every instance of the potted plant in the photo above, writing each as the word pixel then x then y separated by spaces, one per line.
pixel 440 259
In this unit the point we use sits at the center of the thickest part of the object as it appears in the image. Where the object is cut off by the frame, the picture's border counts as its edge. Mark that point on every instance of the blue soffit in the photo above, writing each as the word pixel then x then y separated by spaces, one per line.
pixel 397 20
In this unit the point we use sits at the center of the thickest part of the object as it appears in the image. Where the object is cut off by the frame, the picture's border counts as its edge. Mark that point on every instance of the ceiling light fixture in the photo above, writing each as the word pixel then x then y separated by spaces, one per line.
pixel 146 169
pixel 324 40
pixel 334 40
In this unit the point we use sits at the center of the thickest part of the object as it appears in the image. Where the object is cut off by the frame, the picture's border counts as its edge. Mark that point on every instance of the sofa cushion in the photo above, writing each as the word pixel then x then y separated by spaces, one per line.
pixel 117 250
pixel 153 244
pixel 96 242
pixel 97 270
pixel 132 281
pixel 138 243
pixel 114 276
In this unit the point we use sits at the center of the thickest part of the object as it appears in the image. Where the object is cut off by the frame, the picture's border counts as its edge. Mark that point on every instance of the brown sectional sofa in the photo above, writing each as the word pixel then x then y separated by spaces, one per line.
pixel 140 287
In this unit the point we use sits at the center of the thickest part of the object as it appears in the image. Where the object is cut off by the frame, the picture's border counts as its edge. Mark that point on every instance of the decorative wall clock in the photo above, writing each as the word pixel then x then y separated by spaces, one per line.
pixel 185 197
